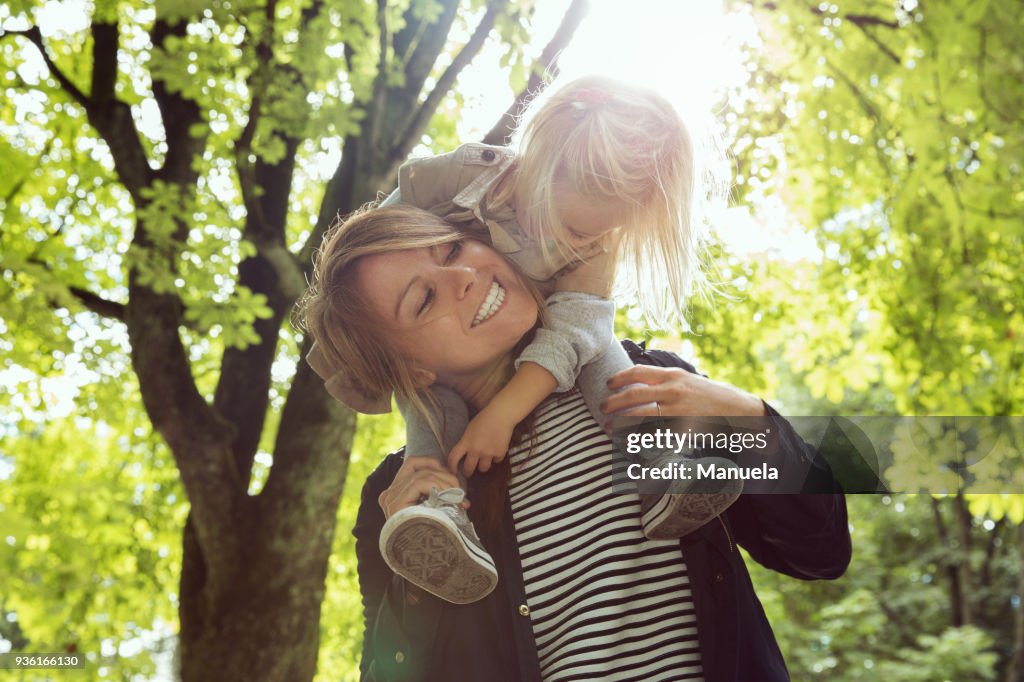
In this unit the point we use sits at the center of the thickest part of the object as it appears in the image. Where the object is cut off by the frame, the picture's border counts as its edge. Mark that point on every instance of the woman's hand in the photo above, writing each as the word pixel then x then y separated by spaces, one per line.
pixel 679 393
pixel 414 480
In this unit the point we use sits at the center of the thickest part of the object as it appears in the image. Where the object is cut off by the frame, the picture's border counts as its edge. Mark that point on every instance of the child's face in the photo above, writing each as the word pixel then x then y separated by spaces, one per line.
pixel 586 218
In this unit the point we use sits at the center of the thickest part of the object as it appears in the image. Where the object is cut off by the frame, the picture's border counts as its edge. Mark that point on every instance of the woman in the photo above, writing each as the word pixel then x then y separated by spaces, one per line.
pixel 582 593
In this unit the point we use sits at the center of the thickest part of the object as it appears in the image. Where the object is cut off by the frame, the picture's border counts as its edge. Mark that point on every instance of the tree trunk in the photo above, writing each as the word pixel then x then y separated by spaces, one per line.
pixel 254 569
pixel 256 616
pixel 264 625
pixel 966 573
pixel 1015 668
pixel 955 587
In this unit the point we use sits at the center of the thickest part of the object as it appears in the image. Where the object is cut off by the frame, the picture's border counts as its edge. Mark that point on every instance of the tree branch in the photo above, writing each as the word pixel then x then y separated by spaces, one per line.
pixel 198 438
pixel 13 192
pixel 363 170
pixel 99 305
pixel 105 39
pixel 111 118
pixel 243 387
pixel 312 12
pixel 36 38
pixel 860 20
pixel 411 134
pixel 1015 667
pixel 906 634
pixel 257 84
pixel 863 20
pixel 990 551
pixel 339 197
pixel 91 301
pixel 881 46
pixel 178 114
pixel 963 535
pixel 411 39
pixel 418 45
pixel 547 64
pixel 956 600
pixel 242 393
pixel 982 59
pixel 869 109
pixel 378 103
pixel 266 187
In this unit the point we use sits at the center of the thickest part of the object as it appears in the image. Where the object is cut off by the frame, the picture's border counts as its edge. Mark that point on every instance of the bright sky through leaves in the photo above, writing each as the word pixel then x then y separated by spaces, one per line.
pixel 689 50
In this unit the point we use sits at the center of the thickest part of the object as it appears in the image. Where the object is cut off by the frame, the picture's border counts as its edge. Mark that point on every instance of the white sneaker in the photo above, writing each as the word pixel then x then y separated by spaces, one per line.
pixel 434 546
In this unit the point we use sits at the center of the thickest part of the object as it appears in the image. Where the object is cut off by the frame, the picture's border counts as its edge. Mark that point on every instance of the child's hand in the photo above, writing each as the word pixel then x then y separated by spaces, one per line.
pixel 485 442
pixel 414 480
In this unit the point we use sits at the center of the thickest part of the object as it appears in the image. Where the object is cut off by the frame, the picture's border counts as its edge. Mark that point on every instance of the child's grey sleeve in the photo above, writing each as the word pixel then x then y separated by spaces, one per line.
pixel 580 331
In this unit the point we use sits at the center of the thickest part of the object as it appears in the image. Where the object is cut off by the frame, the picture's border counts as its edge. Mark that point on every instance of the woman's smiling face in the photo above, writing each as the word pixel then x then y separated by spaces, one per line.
pixel 452 310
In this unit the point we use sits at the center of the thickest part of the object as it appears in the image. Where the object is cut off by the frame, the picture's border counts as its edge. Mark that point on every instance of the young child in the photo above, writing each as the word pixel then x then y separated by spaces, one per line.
pixel 603 174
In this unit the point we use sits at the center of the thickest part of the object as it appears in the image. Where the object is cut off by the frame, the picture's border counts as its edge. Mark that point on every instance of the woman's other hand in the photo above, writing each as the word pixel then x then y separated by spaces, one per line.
pixel 679 393
pixel 414 480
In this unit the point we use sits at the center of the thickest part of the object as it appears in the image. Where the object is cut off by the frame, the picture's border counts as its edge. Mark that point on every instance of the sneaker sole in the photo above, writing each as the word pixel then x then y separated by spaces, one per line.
pixel 675 516
pixel 430 553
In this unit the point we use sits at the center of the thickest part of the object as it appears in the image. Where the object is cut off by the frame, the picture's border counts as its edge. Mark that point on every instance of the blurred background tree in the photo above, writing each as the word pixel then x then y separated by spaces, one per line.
pixel 168 168
pixel 889 131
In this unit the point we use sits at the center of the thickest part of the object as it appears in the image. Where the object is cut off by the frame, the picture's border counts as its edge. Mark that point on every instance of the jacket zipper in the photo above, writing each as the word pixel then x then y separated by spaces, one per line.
pixel 728 536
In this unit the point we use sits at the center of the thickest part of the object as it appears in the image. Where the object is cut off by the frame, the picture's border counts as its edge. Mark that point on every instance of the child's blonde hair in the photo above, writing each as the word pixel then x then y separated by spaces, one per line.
pixel 613 141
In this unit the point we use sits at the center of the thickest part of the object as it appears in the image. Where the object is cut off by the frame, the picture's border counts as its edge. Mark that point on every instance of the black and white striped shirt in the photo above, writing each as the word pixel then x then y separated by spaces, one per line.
pixel 605 602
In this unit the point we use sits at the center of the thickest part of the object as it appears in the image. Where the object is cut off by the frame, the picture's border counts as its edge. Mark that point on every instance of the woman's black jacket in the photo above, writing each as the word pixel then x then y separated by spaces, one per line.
pixel 804 536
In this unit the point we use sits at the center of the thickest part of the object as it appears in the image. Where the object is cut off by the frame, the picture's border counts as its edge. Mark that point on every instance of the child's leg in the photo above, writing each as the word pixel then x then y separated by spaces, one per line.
pixel 451 417
pixel 688 505
pixel 433 545
pixel 593 379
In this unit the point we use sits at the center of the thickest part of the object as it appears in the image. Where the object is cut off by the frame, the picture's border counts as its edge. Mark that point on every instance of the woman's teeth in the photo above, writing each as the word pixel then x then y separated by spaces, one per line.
pixel 494 299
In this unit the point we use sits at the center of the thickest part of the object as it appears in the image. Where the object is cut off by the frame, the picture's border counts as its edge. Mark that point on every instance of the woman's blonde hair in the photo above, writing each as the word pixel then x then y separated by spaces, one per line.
pixel 336 313
pixel 613 141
